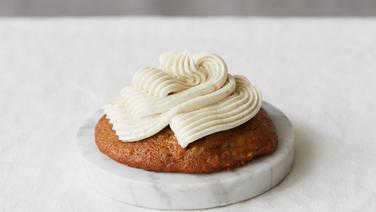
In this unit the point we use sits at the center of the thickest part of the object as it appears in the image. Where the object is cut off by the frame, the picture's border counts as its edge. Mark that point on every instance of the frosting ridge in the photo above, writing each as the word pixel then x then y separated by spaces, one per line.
pixel 194 94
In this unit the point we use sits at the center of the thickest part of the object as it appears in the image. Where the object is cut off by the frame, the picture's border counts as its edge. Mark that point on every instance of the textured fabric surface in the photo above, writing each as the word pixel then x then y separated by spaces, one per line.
pixel 54 73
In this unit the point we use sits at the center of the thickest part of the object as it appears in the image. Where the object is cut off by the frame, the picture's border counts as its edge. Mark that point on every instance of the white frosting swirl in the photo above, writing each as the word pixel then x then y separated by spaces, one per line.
pixel 195 95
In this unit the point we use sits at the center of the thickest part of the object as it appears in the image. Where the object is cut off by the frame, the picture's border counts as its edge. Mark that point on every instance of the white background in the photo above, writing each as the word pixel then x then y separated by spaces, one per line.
pixel 321 72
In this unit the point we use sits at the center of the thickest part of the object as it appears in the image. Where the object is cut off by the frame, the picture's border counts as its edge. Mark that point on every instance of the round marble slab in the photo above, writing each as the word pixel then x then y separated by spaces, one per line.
pixel 187 191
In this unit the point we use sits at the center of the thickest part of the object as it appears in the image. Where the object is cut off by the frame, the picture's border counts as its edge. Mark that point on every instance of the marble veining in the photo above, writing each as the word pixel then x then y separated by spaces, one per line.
pixel 186 191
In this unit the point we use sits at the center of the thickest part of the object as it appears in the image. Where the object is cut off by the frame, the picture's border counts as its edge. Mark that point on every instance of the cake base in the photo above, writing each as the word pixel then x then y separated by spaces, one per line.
pixel 186 191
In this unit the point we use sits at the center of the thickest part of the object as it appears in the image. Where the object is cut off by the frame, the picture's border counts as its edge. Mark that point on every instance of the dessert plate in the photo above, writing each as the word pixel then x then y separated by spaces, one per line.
pixel 186 191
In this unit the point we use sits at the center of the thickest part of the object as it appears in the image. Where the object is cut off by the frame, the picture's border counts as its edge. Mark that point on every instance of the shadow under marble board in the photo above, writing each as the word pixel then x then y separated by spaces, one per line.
pixel 186 191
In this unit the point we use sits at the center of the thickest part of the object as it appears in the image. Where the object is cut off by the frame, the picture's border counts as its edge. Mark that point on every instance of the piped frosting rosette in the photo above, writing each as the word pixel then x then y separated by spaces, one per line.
pixel 194 94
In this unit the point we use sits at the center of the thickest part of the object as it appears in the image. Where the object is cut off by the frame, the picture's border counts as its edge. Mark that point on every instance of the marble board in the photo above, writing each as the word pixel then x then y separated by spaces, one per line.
pixel 186 191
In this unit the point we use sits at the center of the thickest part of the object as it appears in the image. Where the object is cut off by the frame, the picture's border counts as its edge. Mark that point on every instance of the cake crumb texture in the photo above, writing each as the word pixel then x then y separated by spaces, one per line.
pixel 161 152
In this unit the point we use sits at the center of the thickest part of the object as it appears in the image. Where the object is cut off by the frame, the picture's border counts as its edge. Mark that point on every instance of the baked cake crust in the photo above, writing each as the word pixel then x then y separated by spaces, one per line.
pixel 219 151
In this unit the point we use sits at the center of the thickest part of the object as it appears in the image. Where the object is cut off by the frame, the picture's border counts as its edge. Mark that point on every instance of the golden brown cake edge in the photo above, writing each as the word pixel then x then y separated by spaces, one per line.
pixel 223 150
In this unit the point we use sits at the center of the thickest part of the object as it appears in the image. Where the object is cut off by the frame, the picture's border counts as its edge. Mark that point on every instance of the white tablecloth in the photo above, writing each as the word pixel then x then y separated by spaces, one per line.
pixel 321 72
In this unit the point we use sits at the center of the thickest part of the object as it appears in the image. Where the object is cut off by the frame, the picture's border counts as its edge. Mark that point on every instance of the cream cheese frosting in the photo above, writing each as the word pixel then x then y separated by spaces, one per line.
pixel 194 94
